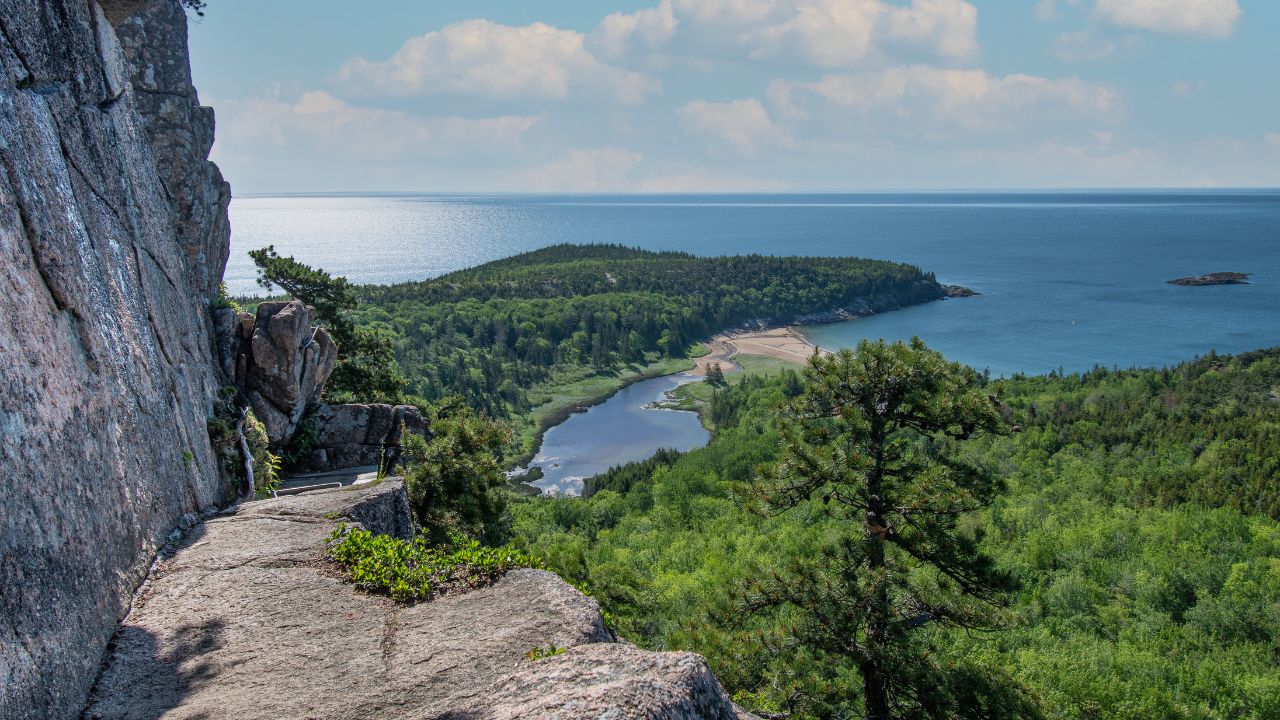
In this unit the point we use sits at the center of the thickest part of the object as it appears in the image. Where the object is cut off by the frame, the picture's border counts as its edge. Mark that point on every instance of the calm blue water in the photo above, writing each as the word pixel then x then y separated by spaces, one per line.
pixel 1068 279
pixel 618 431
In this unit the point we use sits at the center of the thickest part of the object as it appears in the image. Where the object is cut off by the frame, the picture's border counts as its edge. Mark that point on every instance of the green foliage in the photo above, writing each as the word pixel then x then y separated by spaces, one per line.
pixel 1206 432
pixel 366 370
pixel 454 479
pixel 413 571
pixel 715 375
pixel 222 425
pixel 492 333
pixel 187 457
pixel 302 443
pixel 538 653
pixel 222 300
pixel 330 296
pixel 620 478
pixel 873 440
pixel 266 465
pixel 1131 603
pixel 226 444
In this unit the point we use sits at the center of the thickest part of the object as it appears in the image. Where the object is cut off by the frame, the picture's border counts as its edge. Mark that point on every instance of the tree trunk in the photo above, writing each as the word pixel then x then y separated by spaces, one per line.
pixel 874 687
pixel 875 694
pixel 247 455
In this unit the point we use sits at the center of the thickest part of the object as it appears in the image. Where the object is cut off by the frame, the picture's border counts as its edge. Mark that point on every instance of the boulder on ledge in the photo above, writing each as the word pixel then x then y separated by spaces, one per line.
pixel 357 434
pixel 281 360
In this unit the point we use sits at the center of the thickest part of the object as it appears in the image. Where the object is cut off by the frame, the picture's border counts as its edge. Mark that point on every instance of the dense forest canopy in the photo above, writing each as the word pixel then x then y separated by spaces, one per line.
pixel 1139 526
pixel 490 333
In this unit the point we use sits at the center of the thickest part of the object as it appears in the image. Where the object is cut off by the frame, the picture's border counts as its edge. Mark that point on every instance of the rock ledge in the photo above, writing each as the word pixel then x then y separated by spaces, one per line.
pixel 246 619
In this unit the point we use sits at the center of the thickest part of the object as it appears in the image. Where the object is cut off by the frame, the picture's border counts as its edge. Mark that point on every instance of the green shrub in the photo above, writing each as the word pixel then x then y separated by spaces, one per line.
pixel 302 443
pixel 410 571
pixel 454 477
pixel 223 300
pixel 266 465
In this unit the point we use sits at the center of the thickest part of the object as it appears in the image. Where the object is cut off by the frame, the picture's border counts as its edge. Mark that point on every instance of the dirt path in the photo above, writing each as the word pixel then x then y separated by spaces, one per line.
pixel 722 351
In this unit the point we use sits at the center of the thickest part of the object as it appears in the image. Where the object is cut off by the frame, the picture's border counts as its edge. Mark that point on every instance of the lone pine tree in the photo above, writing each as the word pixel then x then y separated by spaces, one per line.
pixel 875 438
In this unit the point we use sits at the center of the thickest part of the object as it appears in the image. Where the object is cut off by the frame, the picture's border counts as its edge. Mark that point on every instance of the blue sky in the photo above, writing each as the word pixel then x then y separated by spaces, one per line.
pixel 701 95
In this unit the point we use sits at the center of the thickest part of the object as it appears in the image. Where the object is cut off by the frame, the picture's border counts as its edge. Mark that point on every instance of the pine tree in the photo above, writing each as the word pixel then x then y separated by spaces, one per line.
pixel 715 375
pixel 875 439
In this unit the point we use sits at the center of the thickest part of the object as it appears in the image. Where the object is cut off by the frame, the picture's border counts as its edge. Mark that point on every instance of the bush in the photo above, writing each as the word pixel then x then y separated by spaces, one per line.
pixel 266 465
pixel 410 571
pixel 222 300
pixel 454 478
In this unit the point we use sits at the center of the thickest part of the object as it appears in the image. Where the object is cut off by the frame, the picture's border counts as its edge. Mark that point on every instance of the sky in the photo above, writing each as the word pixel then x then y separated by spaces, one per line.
pixel 715 95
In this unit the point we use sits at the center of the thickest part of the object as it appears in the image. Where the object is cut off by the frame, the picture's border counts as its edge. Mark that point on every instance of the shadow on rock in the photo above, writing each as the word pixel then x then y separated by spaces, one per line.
pixel 148 689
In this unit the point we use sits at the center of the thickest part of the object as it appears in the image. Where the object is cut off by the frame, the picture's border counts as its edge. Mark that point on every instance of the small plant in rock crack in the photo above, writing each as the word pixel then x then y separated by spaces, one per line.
pixel 413 571
pixel 540 652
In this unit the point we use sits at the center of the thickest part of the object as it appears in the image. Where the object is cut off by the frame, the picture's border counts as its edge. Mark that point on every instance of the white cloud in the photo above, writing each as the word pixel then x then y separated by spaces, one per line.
pixel 733 14
pixel 741 123
pixel 842 33
pixel 824 33
pixel 695 179
pixel 935 103
pixel 621 34
pixel 583 170
pixel 319 123
pixel 1207 18
pixel 502 62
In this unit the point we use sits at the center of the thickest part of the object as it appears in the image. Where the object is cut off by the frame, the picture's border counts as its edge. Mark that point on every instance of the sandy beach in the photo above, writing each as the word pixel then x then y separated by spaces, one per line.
pixel 784 343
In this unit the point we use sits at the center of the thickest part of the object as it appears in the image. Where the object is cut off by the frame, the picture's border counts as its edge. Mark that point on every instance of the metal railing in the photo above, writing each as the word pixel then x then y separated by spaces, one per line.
pixel 304 488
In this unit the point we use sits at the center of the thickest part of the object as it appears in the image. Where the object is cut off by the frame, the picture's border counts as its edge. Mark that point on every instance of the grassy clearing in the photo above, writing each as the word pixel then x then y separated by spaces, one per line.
pixel 759 365
pixel 696 397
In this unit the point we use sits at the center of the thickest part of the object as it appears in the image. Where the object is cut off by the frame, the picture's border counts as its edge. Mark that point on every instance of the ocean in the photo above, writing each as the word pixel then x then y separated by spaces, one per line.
pixel 1067 279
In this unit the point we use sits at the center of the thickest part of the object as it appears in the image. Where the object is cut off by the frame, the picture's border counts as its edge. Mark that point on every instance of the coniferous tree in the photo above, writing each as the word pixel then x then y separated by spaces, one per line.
pixel 715 375
pixel 454 475
pixel 875 438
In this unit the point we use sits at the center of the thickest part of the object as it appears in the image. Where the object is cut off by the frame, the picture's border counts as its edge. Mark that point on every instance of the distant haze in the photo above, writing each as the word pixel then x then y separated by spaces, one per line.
pixel 703 95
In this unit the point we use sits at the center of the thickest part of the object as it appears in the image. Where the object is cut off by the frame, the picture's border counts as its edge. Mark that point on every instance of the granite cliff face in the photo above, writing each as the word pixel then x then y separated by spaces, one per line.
pixel 109 215
pixel 113 239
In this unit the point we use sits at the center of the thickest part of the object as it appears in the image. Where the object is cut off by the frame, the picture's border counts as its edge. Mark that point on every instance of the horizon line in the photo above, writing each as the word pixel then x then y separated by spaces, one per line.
pixel 778 191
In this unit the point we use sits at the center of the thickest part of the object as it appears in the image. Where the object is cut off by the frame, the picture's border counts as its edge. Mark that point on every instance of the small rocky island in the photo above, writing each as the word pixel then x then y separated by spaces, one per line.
pixel 1217 278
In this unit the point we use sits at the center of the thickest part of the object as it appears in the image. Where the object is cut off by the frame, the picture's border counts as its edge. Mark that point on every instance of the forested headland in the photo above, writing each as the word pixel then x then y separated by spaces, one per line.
pixel 529 336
